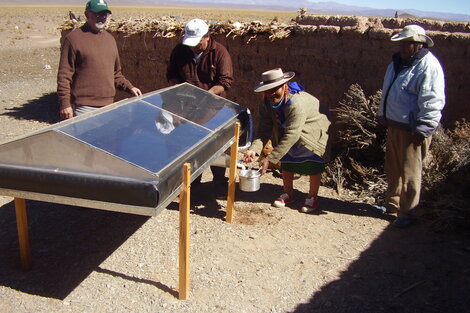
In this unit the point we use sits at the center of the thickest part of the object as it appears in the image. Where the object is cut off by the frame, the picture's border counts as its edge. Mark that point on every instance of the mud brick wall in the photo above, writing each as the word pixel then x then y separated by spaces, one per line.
pixel 327 55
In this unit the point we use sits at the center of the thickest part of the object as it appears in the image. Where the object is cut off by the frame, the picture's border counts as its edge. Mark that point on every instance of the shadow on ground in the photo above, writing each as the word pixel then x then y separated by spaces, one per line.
pixel 268 192
pixel 43 109
pixel 204 203
pixel 67 243
pixel 404 270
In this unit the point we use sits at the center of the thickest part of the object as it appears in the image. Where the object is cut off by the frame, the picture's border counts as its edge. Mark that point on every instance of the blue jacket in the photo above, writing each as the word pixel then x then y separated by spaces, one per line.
pixel 413 94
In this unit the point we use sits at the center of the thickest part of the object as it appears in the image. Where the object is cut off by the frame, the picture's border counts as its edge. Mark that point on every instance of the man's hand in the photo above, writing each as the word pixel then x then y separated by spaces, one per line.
pixel 217 90
pixel 417 138
pixel 136 91
pixel 66 112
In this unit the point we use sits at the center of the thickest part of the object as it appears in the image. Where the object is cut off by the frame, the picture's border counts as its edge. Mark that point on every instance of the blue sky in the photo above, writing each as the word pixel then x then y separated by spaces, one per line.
pixel 450 6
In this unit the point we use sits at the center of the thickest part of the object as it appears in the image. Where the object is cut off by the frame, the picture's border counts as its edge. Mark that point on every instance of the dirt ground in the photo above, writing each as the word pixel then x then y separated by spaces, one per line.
pixel 345 258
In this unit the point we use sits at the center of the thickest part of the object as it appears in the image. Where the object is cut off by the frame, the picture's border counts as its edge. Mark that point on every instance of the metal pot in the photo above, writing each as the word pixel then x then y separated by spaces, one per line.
pixel 249 180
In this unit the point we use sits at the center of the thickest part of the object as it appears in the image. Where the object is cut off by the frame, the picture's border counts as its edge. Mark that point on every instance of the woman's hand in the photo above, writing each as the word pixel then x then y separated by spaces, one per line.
pixel 249 156
pixel 264 164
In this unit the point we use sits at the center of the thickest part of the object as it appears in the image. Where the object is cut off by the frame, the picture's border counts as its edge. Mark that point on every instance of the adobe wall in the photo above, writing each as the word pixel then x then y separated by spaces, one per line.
pixel 327 55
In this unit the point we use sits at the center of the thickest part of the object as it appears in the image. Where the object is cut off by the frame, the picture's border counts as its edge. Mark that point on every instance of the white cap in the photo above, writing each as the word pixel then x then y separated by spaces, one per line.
pixel 193 32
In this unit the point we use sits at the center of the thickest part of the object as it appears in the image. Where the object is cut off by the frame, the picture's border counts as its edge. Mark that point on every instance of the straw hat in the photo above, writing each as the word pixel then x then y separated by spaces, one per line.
pixel 413 33
pixel 273 78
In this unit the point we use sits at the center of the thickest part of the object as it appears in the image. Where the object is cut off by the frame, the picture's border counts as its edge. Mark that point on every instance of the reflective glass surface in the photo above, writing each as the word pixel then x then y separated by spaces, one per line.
pixel 129 153
pixel 195 105
pixel 139 133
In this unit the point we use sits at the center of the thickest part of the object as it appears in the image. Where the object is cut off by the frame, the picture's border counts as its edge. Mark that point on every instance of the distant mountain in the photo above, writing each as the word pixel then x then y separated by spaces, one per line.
pixel 275 5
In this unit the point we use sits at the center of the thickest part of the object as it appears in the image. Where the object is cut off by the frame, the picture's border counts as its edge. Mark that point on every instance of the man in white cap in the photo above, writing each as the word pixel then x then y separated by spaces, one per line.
pixel 89 66
pixel 201 61
pixel 411 104
pixel 205 63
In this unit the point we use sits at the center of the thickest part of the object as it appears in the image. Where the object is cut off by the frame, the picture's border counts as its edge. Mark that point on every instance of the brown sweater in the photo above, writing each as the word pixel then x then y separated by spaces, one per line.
pixel 214 68
pixel 89 69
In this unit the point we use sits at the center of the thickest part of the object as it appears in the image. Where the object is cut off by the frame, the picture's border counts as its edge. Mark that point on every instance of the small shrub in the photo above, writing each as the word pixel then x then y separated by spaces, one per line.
pixel 359 144
pixel 446 178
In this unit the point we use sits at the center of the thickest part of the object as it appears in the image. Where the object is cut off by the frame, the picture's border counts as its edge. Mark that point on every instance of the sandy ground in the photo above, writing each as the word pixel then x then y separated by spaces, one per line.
pixel 345 258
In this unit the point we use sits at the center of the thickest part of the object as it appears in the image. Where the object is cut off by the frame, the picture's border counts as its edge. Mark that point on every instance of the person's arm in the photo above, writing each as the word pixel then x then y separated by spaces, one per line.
pixel 386 85
pixel 431 100
pixel 172 73
pixel 223 79
pixel 265 129
pixel 64 79
pixel 295 119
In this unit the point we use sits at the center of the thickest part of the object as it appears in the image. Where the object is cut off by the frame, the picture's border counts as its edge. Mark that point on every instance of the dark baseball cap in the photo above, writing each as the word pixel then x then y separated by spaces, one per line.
pixel 97 6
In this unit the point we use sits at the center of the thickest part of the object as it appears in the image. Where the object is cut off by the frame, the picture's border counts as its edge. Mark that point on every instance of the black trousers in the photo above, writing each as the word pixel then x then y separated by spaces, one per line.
pixel 218 173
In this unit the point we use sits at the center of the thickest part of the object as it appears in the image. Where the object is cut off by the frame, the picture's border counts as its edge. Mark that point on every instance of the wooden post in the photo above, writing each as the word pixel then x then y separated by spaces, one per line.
pixel 231 177
pixel 184 234
pixel 23 235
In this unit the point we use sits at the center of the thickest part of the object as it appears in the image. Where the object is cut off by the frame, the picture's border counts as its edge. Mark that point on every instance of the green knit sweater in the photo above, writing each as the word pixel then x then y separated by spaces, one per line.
pixel 304 123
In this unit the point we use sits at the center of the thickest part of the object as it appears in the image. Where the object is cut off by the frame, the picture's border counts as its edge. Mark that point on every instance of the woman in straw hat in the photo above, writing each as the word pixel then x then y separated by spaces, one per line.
pixel 291 119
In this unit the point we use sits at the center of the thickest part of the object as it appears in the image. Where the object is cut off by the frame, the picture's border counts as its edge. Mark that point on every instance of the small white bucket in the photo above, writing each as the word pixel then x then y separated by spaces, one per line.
pixel 249 180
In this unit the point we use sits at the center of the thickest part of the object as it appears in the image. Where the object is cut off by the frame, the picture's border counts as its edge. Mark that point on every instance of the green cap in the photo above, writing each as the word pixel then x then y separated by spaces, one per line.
pixel 97 6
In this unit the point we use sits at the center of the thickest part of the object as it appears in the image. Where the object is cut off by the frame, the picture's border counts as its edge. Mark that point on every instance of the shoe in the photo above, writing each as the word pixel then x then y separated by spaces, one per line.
pixel 283 200
pixel 403 222
pixel 310 205
pixel 385 209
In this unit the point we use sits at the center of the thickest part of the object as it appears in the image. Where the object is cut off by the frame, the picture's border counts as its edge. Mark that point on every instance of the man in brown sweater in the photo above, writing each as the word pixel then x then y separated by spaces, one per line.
pixel 205 63
pixel 89 67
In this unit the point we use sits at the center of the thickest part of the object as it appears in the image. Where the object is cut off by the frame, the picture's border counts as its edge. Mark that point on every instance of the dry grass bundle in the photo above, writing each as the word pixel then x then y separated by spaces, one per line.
pixel 359 145
pixel 274 30
pixel 359 152
pixel 446 178
pixel 169 22
pixel 170 26
pixel 450 152
pixel 165 26
pixel 356 122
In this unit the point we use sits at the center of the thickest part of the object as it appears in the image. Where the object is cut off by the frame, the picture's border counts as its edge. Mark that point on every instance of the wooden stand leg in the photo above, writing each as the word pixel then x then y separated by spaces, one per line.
pixel 184 234
pixel 23 235
pixel 231 177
